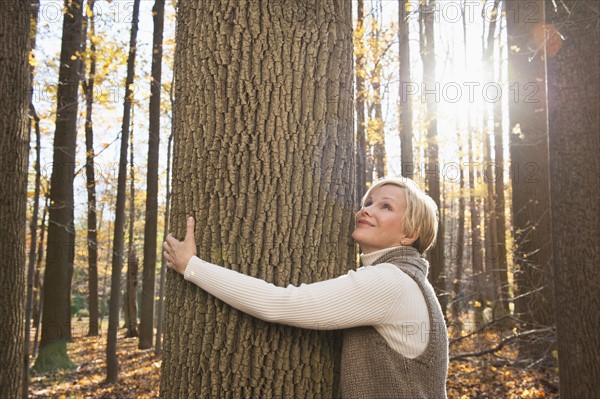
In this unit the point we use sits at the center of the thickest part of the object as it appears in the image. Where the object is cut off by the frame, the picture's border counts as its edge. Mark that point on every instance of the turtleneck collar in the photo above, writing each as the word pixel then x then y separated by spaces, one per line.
pixel 370 258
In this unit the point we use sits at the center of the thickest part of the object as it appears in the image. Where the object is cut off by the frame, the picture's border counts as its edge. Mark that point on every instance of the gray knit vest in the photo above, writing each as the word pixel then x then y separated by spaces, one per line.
pixel 372 370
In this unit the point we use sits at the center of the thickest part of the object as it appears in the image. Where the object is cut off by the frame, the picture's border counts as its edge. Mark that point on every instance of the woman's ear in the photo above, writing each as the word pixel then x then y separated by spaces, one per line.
pixel 410 240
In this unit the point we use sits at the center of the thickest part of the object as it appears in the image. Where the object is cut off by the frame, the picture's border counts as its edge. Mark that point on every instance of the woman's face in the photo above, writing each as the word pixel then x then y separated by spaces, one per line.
pixel 379 223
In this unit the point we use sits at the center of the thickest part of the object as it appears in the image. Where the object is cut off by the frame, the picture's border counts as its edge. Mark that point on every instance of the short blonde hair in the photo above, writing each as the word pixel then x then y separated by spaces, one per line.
pixel 421 216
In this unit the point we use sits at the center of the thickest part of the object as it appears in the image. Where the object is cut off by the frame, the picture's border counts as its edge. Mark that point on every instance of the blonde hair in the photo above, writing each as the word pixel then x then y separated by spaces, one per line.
pixel 421 216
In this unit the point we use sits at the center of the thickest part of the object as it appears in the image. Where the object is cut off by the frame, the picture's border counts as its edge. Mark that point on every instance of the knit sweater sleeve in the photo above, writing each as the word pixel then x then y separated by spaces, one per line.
pixel 359 298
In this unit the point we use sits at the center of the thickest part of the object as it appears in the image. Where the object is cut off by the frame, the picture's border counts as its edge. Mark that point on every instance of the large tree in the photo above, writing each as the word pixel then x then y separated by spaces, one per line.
pixel 534 300
pixel 264 159
pixel 14 141
pixel 60 249
pixel 574 145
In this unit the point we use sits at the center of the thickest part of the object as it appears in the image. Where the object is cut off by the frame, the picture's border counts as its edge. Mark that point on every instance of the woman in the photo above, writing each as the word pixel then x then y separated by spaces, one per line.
pixel 395 342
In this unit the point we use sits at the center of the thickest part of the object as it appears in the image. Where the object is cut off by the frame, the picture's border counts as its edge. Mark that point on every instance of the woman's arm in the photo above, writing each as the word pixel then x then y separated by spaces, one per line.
pixel 359 298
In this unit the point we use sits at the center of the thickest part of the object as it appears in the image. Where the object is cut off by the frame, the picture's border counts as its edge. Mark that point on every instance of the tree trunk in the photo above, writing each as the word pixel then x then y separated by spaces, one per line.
pixel 460 238
pixel 500 207
pixel 56 314
pixel 493 274
pixel 376 131
pixel 360 72
pixel 264 160
pixel 132 259
pixel 574 145
pixel 34 121
pixel 476 246
pixel 432 174
pixel 534 299
pixel 150 226
pixel 92 233
pixel 14 142
pixel 112 363
pixel 405 111
pixel 38 292
pixel 161 291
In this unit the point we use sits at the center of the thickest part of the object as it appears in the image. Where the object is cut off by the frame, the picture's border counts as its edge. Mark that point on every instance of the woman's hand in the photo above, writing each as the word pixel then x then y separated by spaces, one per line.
pixel 177 254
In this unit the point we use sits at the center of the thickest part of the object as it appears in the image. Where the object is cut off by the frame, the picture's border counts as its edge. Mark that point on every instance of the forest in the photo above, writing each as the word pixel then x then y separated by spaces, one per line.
pixel 268 121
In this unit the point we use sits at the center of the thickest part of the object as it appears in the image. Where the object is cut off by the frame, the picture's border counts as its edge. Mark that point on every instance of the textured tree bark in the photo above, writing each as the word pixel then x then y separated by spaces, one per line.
pixel 534 300
pixel 150 226
pixel 264 160
pixel 574 145
pixel 14 142
pixel 56 314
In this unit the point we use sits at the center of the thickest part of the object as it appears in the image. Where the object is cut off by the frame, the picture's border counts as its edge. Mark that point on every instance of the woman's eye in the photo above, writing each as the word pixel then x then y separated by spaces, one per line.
pixel 387 206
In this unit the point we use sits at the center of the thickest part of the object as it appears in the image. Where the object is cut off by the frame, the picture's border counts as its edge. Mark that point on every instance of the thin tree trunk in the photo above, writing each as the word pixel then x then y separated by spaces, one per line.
pixel 150 226
pixel 92 233
pixel 491 229
pixel 476 246
pixel 112 363
pixel 360 71
pixel 161 294
pixel 56 315
pixel 460 238
pixel 38 287
pixel 573 62
pixel 377 124
pixel 33 234
pixel 132 259
pixel 14 141
pixel 500 207
pixel 35 121
pixel 427 47
pixel 405 111
pixel 271 189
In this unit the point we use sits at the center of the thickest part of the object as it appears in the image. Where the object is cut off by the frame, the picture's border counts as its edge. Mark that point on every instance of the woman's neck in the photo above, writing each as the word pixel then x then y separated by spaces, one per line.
pixel 369 258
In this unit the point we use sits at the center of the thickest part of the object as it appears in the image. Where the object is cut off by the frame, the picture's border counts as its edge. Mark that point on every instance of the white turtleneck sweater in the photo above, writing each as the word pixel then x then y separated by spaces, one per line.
pixel 381 295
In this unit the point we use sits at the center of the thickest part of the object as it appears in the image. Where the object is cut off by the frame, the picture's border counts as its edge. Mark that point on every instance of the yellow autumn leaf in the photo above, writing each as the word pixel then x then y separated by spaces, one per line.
pixel 477 304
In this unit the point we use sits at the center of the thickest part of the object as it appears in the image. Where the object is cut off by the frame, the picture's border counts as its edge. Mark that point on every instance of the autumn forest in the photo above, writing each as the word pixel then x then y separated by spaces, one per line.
pixel 267 121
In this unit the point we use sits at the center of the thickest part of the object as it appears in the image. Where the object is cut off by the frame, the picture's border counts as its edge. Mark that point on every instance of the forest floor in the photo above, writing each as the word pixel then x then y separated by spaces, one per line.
pixel 488 376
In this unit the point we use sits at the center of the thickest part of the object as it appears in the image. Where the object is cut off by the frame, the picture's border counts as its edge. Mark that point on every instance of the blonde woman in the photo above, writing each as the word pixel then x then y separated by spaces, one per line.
pixel 395 342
